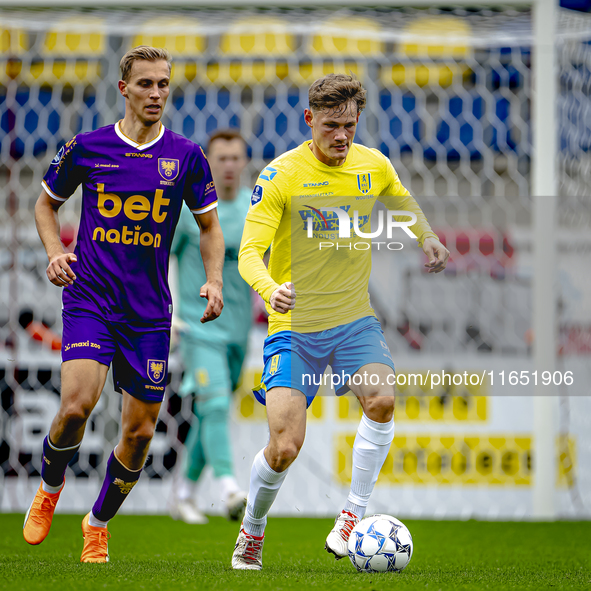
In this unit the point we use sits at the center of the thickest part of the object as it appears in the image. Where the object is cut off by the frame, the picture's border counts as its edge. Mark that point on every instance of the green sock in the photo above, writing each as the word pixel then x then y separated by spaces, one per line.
pixel 194 460
pixel 213 417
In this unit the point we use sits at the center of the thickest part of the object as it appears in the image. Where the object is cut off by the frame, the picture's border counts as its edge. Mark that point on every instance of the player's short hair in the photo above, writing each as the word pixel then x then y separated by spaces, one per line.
pixel 142 52
pixel 334 90
pixel 229 134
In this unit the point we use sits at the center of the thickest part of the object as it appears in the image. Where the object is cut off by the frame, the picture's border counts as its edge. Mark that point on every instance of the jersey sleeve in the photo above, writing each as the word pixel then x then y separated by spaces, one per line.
pixel 396 197
pixel 256 239
pixel 64 173
pixel 200 195
pixel 267 203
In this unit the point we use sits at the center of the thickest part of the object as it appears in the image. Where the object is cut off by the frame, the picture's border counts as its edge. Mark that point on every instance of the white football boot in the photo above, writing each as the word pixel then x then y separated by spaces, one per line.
pixel 248 552
pixel 235 506
pixel 336 542
pixel 188 512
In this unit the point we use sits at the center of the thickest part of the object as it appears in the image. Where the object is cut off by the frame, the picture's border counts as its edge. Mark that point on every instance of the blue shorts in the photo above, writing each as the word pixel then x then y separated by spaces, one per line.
pixel 298 360
pixel 139 354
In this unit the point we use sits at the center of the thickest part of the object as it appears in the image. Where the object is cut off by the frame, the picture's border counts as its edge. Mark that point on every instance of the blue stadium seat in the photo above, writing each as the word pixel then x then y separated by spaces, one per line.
pixel 400 108
pixel 501 137
pixel 456 131
pixel 30 124
pixel 193 129
pixel 281 124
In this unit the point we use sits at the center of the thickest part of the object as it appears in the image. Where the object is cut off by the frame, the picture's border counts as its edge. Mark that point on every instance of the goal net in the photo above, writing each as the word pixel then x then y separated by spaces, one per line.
pixel 450 103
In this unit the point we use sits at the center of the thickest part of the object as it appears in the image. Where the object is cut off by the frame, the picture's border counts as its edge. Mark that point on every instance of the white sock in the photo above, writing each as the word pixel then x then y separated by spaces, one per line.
pixel 227 486
pixel 370 449
pixel 264 486
pixel 186 489
pixel 51 489
pixel 92 520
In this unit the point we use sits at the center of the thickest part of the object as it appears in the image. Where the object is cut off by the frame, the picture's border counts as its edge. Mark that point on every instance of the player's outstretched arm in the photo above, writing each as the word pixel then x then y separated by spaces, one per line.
pixel 436 253
pixel 58 271
pixel 212 247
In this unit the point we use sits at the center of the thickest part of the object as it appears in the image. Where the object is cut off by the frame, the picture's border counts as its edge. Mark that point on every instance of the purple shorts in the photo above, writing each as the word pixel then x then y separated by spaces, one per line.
pixel 139 354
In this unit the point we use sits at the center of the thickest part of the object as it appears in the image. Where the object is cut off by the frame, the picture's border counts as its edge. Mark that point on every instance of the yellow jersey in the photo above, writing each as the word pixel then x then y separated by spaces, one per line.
pixel 298 204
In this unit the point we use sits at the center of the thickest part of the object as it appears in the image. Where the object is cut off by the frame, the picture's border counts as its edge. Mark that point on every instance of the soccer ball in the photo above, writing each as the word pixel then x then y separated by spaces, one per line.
pixel 380 543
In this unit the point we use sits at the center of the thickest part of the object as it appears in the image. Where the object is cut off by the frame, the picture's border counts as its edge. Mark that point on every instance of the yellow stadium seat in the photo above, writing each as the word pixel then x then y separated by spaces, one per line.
pixel 250 41
pixel 13 45
pixel 70 53
pixel 436 44
pixel 310 71
pixel 258 36
pixel 183 37
pixel 76 36
pixel 348 36
pixel 13 42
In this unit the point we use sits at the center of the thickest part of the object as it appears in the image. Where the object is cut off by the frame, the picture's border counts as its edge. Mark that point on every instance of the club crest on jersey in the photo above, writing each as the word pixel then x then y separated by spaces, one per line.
pixel 364 182
pixel 168 168
pixel 274 364
pixel 257 194
pixel 156 370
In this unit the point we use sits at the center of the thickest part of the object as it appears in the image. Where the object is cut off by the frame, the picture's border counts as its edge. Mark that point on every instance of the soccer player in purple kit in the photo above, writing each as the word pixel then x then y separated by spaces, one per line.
pixel 117 306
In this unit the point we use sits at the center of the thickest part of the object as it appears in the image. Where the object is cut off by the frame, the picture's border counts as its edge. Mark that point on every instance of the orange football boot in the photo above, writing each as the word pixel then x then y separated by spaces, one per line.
pixel 95 542
pixel 39 516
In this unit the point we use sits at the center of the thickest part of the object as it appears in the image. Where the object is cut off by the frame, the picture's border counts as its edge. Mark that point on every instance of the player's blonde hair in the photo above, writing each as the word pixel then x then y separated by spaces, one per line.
pixel 142 52
pixel 336 90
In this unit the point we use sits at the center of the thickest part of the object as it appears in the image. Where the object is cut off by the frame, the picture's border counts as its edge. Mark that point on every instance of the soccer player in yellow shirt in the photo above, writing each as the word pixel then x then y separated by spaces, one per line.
pixel 313 206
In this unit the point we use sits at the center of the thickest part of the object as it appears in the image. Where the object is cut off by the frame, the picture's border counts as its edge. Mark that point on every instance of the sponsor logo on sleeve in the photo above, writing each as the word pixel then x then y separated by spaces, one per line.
pixel 209 188
pixel 64 151
pixel 257 195
pixel 268 173
pixel 58 156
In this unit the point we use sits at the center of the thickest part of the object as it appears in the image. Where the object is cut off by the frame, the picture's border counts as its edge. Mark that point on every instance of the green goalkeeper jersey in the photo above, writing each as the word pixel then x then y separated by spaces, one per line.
pixel 234 323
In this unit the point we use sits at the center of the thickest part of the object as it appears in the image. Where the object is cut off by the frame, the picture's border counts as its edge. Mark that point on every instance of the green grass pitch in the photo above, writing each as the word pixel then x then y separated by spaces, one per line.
pixel 161 554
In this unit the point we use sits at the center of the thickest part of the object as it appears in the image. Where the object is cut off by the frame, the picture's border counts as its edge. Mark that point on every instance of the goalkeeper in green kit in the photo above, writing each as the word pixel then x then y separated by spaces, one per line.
pixel 213 353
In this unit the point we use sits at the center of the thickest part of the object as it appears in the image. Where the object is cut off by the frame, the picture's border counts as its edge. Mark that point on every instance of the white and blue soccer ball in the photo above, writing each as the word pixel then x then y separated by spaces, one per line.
pixel 380 543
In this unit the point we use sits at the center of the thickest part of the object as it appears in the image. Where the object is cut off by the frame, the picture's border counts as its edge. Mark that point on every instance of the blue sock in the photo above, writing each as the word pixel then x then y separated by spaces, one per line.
pixel 55 461
pixel 117 484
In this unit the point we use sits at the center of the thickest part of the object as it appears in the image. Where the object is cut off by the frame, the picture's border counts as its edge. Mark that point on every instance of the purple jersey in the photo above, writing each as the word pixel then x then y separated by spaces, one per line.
pixel 132 196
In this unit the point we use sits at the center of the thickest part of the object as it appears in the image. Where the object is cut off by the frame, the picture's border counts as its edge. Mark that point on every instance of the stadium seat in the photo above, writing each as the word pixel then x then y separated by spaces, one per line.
pixel 214 115
pixel 574 124
pixel 428 62
pixel 351 36
pixel 38 108
pixel 460 131
pixel 282 126
pixel 405 126
pixel 14 44
pixel 184 37
pixel 477 250
pixel 244 46
pixel 70 53
pixel 500 135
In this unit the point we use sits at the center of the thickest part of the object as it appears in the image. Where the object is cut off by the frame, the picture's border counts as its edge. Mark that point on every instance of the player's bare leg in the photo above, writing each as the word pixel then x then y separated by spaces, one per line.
pixel 138 422
pixel 286 413
pixel 372 442
pixel 82 384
